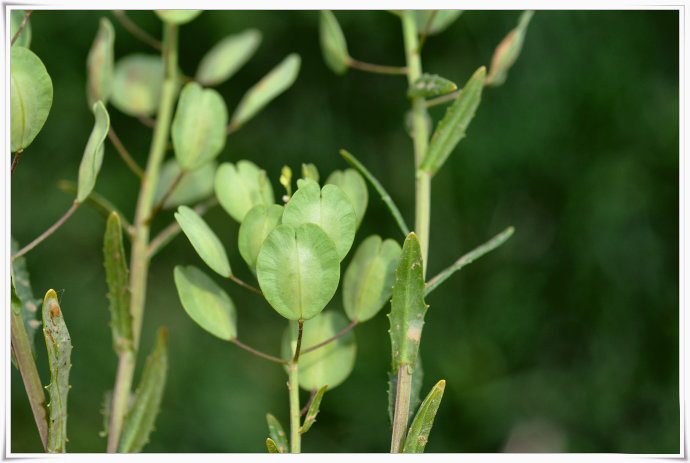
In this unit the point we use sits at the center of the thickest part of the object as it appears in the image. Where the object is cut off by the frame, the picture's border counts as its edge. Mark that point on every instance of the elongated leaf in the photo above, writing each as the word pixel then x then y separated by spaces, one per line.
pixel 25 304
pixel 31 96
pixel 333 44
pixel 16 18
pixel 117 277
pixel 407 305
pixel 241 187
pixel 204 241
pixel 59 360
pixel 368 281
pixel 452 128
pixel 178 16
pixel 206 302
pixel 92 159
pixel 100 64
pixel 415 390
pixel 309 171
pixel 192 187
pixel 418 435
pixel 227 56
pixel 137 84
pixel 328 207
pixel 199 128
pixel 275 430
pixel 441 20
pixel 271 446
pixel 313 411
pixel 256 226
pixel 431 85
pixel 147 400
pixel 298 270
pixel 268 88
pixel 354 186
pixel 508 50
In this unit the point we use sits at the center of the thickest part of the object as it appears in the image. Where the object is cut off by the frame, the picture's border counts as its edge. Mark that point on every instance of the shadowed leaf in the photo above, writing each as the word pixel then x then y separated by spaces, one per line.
pixel 137 84
pixel 92 159
pixel 333 44
pixel 100 64
pixel 178 16
pixel 240 187
pixel 117 277
pixel 192 187
pixel 313 410
pixel 227 56
pixel 275 430
pixel 256 226
pixel 354 186
pixel 204 241
pixel 508 51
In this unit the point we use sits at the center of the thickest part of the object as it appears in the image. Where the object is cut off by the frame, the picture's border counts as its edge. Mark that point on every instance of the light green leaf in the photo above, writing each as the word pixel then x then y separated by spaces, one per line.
pixel 206 302
pixel 508 50
pixel 256 226
pixel 147 400
pixel 333 44
pixel 59 360
pixel 25 304
pixel 368 281
pixel 407 306
pixel 241 187
pixel 309 171
pixel 31 96
pixel 117 277
pixel 313 411
pixel 329 208
pixel 178 16
pixel 227 56
pixel 442 19
pixel 92 159
pixel 204 241
pixel 100 64
pixel 137 84
pixel 268 88
pixel 298 270
pixel 271 446
pixel 199 128
pixel 451 129
pixel 193 186
pixel 275 430
pixel 16 18
pixel 431 85
pixel 354 186
pixel 418 435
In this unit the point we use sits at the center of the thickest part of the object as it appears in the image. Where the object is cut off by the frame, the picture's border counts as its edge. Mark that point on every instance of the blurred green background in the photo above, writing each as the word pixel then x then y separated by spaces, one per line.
pixel 564 339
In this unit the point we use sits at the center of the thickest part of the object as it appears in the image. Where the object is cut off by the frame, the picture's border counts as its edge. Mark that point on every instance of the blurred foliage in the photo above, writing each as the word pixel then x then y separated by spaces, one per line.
pixel 564 339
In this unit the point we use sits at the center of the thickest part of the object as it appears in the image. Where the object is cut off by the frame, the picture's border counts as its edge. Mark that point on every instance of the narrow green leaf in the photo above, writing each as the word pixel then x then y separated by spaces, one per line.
pixel 117 277
pixel 309 171
pixel 354 186
pixel 328 207
pixel 193 186
pixel 418 435
pixel 206 302
pixel 268 88
pixel 256 226
pixel 241 187
pixel 271 446
pixel 137 84
pixel 31 96
pixel 275 430
pixel 451 129
pixel 92 159
pixel 407 306
pixel 23 301
pixel 16 18
pixel 227 56
pixel 59 360
pixel 368 281
pixel 199 128
pixel 431 85
pixel 177 16
pixel 313 411
pixel 298 270
pixel 333 44
pixel 204 241
pixel 100 64
pixel 508 50
pixel 147 400
pixel 441 20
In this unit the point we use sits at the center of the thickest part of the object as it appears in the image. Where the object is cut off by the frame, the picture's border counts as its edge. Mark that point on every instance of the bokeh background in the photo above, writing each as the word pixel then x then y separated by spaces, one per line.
pixel 564 339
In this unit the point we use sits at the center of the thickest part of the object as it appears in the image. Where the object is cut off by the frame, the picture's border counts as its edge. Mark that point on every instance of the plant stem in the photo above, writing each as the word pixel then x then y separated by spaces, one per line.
pixel 135 30
pixel 48 232
pixel 257 352
pixel 124 154
pixel 27 13
pixel 245 285
pixel 140 241
pixel 442 99
pixel 293 387
pixel 166 195
pixel 98 202
pixel 402 408
pixel 376 68
pixel 344 331
pixel 15 160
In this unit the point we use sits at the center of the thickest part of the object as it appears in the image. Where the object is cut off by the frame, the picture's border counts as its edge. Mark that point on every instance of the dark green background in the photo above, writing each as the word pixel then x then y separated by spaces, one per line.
pixel 568 333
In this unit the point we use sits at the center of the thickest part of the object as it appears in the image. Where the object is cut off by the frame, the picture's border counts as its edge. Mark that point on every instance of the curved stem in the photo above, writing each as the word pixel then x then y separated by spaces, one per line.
pixel 135 30
pixel 344 331
pixel 15 160
pixel 257 352
pixel 442 99
pixel 300 329
pixel 147 121
pixel 124 154
pixel 376 68
pixel 245 285
pixel 48 232
pixel 27 13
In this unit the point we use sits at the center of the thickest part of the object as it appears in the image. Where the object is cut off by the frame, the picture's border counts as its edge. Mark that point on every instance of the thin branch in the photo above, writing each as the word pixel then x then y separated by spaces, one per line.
pixel 98 202
pixel 232 127
pixel 426 31
pixel 442 99
pixel 345 330
pixel 15 160
pixel 124 154
pixel 147 121
pixel 256 352
pixel 305 409
pixel 168 233
pixel 27 13
pixel 135 30
pixel 300 329
pixel 157 208
pixel 48 232
pixel 376 68
pixel 245 285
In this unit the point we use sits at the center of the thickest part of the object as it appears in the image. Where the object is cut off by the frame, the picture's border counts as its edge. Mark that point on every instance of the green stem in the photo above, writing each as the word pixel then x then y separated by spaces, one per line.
pixel 293 386
pixel 140 241
pixel 375 68
pixel 401 412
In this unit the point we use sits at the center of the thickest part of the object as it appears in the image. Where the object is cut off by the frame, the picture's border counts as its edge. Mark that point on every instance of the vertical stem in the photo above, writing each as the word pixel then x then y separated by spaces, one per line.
pixel 293 386
pixel 140 241
pixel 402 408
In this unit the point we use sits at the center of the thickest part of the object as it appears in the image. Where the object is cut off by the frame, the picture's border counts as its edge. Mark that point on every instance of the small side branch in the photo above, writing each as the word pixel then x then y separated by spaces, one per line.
pixel 376 68
pixel 442 99
pixel 98 202
pixel 345 330
pixel 135 30
pixel 15 160
pixel 157 208
pixel 245 285
pixel 21 28
pixel 300 329
pixel 124 154
pixel 48 232
pixel 257 352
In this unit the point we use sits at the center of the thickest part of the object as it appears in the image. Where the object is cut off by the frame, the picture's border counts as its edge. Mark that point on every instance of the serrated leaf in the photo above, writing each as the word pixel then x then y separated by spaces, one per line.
pixel 206 302
pixel 141 417
pixel 298 270
pixel 415 390
pixel 204 241
pixel 16 18
pixel 137 84
pixel 354 186
pixel 418 435
pixel 177 16
pixel 451 129
pixel 92 159
pixel 100 64
pixel 368 281
pixel 31 96
pixel 313 411
pixel 59 360
pixel 309 171
pixel 23 301
pixel 268 88
pixel 227 56
pixel 199 128
pixel 117 278
pixel 192 187
pixel 442 19
pixel 431 85
pixel 271 446
pixel 256 226
pixel 275 430
pixel 333 44
pixel 508 50
pixel 407 306
pixel 241 187
pixel 328 207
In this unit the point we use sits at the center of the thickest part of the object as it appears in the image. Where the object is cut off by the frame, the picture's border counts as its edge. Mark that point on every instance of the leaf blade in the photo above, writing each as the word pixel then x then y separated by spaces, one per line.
pixel 275 430
pixel 226 57
pixel 92 159
pixel 508 50
pixel 117 279
pixel 354 186
pixel 240 187
pixel 418 435
pixel 313 411
pixel 100 64
pixel 259 222
pixel 203 240
pixel 333 43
